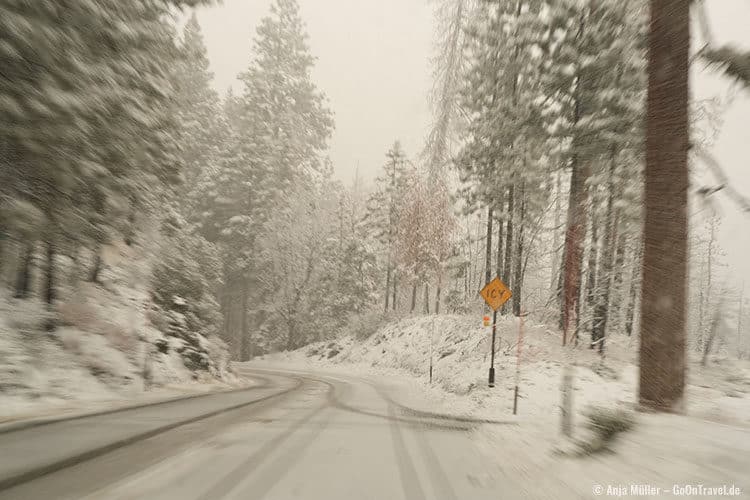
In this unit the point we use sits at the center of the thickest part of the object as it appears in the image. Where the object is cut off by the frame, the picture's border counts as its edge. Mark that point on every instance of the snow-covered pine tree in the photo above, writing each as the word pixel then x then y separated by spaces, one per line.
pixel 592 112
pixel 198 106
pixel 277 131
pixel 502 164
pixel 382 215
pixel 88 126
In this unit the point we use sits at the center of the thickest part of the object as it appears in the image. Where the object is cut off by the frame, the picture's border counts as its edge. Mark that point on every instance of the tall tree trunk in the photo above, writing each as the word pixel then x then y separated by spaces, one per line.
pixel 560 295
pixel 427 298
pixel 662 352
pixel 617 299
pixel 488 248
pixel 438 291
pixel 291 334
pixel 245 339
pixel 96 268
pixel 500 222
pixel 49 285
pixel 555 275
pixel 132 211
pixel 3 246
pixel 575 234
pixel 387 286
pixel 593 259
pixel 224 307
pixel 601 313
pixel 23 275
pixel 413 297
pixel 509 242
pixel 393 279
pixel 518 257
pixel 574 237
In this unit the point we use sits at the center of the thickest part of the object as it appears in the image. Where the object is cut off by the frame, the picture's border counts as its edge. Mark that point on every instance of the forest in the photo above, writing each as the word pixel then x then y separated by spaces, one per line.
pixel 533 170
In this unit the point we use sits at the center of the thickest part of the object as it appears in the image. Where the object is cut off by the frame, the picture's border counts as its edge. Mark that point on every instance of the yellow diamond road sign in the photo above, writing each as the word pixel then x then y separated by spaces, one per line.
pixel 496 293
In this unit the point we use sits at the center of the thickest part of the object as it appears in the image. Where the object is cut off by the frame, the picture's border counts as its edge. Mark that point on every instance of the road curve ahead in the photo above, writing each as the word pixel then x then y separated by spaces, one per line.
pixel 296 435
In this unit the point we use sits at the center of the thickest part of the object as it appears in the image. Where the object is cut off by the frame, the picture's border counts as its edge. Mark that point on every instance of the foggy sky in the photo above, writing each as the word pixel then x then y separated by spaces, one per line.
pixel 374 65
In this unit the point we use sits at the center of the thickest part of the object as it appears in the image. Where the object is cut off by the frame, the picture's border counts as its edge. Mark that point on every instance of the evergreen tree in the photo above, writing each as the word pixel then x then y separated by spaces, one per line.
pixel 88 128
pixel 197 104
pixel 382 214
pixel 274 137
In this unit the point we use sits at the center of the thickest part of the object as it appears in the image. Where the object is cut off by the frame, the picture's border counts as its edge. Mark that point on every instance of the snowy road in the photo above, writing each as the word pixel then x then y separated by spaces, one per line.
pixel 295 436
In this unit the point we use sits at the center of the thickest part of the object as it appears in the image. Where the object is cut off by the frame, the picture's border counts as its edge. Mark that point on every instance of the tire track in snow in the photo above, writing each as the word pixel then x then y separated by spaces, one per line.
pixel 407 472
pixel 280 465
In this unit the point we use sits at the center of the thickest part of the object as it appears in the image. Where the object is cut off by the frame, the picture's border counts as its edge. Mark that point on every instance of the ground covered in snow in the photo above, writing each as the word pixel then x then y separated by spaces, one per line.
pixel 460 352
pixel 709 444
pixel 104 351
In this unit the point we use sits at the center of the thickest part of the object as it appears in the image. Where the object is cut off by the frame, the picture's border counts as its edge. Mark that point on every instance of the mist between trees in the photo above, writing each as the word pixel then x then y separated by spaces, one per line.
pixel 533 171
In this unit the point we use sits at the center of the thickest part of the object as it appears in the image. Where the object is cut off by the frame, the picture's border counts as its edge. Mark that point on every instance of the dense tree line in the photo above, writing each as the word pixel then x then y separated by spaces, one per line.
pixel 112 131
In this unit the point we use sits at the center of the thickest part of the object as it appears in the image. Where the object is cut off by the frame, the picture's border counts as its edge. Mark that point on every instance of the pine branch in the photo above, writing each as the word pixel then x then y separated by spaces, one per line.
pixel 731 61
pixel 723 179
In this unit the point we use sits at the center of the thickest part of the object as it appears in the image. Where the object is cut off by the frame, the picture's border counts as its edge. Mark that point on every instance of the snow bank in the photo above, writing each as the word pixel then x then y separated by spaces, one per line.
pixel 660 450
pixel 460 351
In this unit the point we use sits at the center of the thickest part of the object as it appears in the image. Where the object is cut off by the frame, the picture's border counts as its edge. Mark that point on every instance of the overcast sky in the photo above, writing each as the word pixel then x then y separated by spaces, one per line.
pixel 374 65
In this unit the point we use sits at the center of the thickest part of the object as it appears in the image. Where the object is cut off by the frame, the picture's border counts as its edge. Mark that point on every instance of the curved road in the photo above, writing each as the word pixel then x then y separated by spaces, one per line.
pixel 294 435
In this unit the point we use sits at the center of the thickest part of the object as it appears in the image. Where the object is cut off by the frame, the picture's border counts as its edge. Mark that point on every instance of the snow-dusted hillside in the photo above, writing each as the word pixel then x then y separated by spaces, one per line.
pixel 461 357
pixel 105 347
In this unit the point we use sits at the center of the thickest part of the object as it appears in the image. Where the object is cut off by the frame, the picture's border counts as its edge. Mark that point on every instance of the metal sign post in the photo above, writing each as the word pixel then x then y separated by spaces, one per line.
pixel 495 294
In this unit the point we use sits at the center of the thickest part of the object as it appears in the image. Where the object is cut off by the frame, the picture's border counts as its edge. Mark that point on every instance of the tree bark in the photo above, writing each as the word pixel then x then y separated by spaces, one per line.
pixel 488 248
pixel 438 292
pixel 499 259
pixel 574 237
pixel 593 262
pixel 245 339
pixel 130 230
pixel 49 286
pixel 413 297
pixel 601 312
pixel 94 273
pixel 662 352
pixel 427 298
pixel 555 280
pixel 393 279
pixel 617 299
pixel 23 276
pixel 387 286
pixel 509 243
pixel 518 257
pixel 575 234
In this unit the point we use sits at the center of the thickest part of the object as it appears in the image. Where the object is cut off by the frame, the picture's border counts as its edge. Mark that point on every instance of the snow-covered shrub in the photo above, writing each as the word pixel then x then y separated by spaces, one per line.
pixel 185 279
pixel 184 282
pixel 605 424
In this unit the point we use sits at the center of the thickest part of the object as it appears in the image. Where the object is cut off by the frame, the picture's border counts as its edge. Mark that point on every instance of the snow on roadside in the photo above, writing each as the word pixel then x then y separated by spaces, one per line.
pixel 664 451
pixel 399 353
pixel 460 353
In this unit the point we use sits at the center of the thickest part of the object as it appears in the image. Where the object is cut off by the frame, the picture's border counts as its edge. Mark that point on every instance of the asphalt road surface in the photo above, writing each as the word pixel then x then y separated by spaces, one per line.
pixel 294 435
